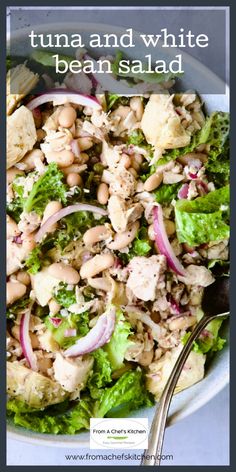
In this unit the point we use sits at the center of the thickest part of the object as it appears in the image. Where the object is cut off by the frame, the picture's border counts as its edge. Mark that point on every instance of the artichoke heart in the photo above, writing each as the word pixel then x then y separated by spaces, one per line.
pixel 33 388
pixel 20 81
pixel 21 135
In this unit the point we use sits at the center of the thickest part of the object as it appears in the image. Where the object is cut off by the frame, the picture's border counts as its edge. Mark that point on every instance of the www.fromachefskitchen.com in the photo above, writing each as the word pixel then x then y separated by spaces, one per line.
pixel 112 456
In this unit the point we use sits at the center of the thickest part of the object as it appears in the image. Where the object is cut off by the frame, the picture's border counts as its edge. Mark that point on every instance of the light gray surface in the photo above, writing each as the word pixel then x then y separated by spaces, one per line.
pixel 200 439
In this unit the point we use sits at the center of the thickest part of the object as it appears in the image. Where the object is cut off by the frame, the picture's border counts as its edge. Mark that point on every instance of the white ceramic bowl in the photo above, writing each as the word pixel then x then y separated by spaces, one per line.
pixel 217 373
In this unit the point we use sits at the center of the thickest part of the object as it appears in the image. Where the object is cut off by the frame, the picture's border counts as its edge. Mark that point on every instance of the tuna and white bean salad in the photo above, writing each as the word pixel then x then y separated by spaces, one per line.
pixel 117 219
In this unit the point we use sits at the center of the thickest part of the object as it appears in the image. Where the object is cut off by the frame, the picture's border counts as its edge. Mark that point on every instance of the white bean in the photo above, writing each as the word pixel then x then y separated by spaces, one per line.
pixel 102 194
pixel 74 179
pixel 12 173
pixel 12 228
pixel 138 157
pixel 64 272
pixel 99 283
pixel 153 182
pixel 151 232
pixel 67 117
pixel 125 161
pixel 15 290
pixel 29 159
pixel 96 234
pixel 184 160
pixel 63 158
pixel 122 240
pixel 40 135
pixel 96 265
pixel 85 143
pixel 83 158
pixel 33 337
pixel 44 363
pixel 122 111
pixel 15 331
pixel 28 243
pixel 23 277
pixel 135 164
pixel 136 105
pixel 74 168
pixel 182 322
pixel 54 307
pixel 170 227
pixel 146 358
pixel 34 340
pixel 51 208
pixel 133 172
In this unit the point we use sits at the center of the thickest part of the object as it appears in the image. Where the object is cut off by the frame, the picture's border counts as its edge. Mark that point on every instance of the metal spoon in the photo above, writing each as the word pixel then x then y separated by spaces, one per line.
pixel 215 304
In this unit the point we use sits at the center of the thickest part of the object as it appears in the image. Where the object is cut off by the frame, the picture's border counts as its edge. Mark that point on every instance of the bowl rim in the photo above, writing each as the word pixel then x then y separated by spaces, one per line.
pixel 54 440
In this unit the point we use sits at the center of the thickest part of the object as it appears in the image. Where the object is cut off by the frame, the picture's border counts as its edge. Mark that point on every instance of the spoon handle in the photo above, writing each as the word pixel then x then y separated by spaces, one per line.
pixel 152 455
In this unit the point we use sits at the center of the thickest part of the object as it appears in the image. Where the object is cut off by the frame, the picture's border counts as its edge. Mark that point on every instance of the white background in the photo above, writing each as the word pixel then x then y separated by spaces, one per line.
pixel 200 439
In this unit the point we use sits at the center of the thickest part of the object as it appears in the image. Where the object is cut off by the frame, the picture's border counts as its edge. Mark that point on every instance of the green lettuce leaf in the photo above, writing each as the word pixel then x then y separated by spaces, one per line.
pixel 16 206
pixel 218 167
pixel 48 187
pixel 166 193
pixel 128 390
pixel 46 58
pixel 64 297
pixel 79 322
pixel 203 219
pixel 213 262
pixel 141 246
pixel 74 226
pixel 64 418
pixel 213 342
pixel 137 138
pixel 34 261
pixel 71 228
pixel 69 417
pixel 215 132
pixel 119 342
pixel 17 307
pixel 101 375
pixel 210 341
pixel 114 99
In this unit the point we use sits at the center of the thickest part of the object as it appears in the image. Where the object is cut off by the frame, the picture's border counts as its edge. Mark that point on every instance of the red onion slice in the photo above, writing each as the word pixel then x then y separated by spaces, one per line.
pixel 62 96
pixel 111 319
pixel 65 212
pixel 55 321
pixel 70 332
pixel 97 336
pixel 91 341
pixel 163 242
pixel 202 188
pixel 37 113
pixel 25 340
pixel 17 239
pixel 183 192
pixel 174 306
pixel 75 147
pixel 192 176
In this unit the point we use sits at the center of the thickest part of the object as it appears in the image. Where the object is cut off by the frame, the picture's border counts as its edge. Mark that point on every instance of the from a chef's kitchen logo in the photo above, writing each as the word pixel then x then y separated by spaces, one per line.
pixel 118 432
